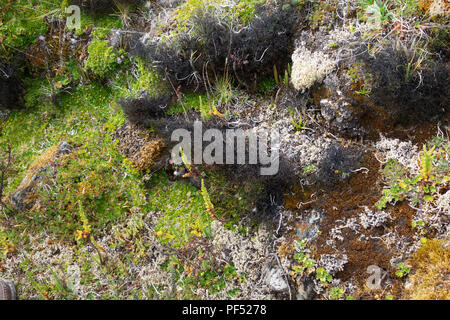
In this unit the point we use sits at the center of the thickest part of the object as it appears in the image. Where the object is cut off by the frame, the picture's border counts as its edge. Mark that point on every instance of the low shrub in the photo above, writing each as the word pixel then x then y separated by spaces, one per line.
pixel 214 48
pixel 11 89
pixel 102 58
pixel 141 111
pixel 412 89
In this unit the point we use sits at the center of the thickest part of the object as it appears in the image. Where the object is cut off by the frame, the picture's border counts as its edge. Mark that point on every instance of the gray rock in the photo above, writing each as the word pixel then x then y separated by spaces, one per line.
pixel 4 114
pixel 326 110
pixel 340 115
pixel 116 38
pixel 64 148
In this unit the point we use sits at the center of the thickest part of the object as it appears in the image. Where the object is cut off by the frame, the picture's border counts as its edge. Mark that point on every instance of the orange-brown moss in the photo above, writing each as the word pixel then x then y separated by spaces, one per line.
pixel 43 160
pixel 425 4
pixel 431 273
pixel 142 148
pixel 346 201
pixel 149 154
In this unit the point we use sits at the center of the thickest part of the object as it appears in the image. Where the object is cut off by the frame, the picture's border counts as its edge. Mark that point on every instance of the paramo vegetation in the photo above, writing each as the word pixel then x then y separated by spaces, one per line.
pixel 94 207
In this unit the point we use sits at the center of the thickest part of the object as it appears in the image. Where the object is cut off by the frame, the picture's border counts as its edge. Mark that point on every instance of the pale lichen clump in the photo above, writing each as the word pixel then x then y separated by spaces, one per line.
pixel 403 151
pixel 439 8
pixel 247 254
pixel 372 219
pixel 309 68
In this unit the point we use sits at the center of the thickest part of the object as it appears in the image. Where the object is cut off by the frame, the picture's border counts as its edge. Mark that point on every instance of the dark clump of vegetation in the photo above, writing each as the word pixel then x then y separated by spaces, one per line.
pixel 11 88
pixel 142 110
pixel 251 53
pixel 215 48
pixel 102 6
pixel 412 89
pixel 175 62
pixel 272 194
pixel 273 187
pixel 336 165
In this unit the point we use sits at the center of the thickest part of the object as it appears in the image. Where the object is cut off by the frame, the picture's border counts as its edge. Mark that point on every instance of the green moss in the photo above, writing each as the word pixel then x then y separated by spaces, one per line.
pixel 187 10
pixel 93 174
pixel 246 10
pixel 241 11
pixel 268 85
pixel 232 200
pixel 21 22
pixel 102 58
pixel 191 101
pixel 146 79
pixel 104 23
pixel 138 77
pixel 184 215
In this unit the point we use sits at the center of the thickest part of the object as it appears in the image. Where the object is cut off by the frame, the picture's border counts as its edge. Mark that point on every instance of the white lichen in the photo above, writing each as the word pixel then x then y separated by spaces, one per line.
pixel 372 219
pixel 439 8
pixel 405 152
pixel 309 68
pixel 333 263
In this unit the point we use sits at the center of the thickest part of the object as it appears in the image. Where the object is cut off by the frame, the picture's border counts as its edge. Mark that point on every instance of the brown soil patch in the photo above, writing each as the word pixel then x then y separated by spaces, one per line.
pixel 300 198
pixel 344 201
